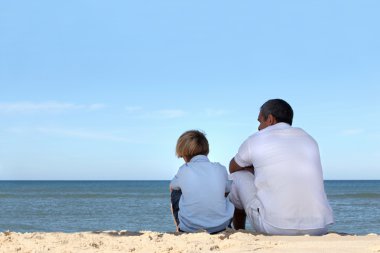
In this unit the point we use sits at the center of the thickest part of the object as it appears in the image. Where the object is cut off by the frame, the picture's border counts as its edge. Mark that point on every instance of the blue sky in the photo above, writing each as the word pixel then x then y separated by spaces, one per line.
pixel 103 89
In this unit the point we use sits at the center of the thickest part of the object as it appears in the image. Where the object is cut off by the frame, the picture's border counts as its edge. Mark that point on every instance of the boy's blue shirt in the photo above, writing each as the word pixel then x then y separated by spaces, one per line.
pixel 203 204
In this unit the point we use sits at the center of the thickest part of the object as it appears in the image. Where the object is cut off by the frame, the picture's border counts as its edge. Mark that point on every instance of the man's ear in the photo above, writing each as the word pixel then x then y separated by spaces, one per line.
pixel 271 120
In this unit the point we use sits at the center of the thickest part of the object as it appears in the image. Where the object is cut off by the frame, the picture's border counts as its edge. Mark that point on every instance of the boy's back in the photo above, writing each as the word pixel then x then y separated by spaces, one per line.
pixel 203 204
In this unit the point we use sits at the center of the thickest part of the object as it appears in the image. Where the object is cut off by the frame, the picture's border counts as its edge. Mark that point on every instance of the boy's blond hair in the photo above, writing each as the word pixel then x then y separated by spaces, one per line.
pixel 192 143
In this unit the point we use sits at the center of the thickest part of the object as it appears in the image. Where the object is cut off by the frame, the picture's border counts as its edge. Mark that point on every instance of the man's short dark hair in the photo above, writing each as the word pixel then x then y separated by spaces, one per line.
pixel 279 109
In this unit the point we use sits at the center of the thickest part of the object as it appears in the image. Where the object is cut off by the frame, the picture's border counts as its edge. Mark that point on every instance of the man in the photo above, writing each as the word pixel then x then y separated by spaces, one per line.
pixel 277 177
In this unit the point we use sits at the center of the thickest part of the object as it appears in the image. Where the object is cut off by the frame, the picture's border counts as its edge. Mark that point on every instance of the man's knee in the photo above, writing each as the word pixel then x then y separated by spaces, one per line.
pixel 242 175
pixel 242 189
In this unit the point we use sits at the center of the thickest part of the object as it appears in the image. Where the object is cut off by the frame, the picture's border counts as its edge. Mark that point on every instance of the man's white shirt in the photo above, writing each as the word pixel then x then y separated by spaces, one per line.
pixel 288 177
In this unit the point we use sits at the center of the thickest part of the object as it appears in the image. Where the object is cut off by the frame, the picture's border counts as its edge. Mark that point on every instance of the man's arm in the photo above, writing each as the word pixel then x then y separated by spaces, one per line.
pixel 235 167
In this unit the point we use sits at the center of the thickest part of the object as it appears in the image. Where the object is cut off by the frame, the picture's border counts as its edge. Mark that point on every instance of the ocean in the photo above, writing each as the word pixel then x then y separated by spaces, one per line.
pixel 73 206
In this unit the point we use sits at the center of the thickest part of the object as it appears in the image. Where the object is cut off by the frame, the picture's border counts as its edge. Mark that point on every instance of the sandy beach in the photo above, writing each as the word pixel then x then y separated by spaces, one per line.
pixel 150 242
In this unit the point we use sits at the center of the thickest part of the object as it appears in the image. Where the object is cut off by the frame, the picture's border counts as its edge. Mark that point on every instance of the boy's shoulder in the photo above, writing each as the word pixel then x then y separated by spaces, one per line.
pixel 183 166
pixel 220 165
pixel 202 164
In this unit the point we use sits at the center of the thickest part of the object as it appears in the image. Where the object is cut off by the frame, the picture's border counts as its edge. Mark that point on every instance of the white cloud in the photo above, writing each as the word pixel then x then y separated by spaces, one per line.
pixel 18 130
pixel 216 112
pixel 95 106
pixel 350 132
pixel 83 134
pixel 133 109
pixel 74 133
pixel 170 114
pixel 31 107
pixel 155 114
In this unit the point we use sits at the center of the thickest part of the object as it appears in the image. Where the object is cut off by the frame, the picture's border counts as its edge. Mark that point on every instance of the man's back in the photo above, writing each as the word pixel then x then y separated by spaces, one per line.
pixel 286 195
pixel 288 177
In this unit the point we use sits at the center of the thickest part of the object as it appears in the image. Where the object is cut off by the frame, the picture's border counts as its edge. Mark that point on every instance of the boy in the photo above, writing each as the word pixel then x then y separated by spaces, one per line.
pixel 198 189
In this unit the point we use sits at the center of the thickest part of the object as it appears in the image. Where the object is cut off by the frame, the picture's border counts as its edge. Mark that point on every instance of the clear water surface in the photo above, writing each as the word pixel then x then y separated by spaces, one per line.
pixel 71 206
